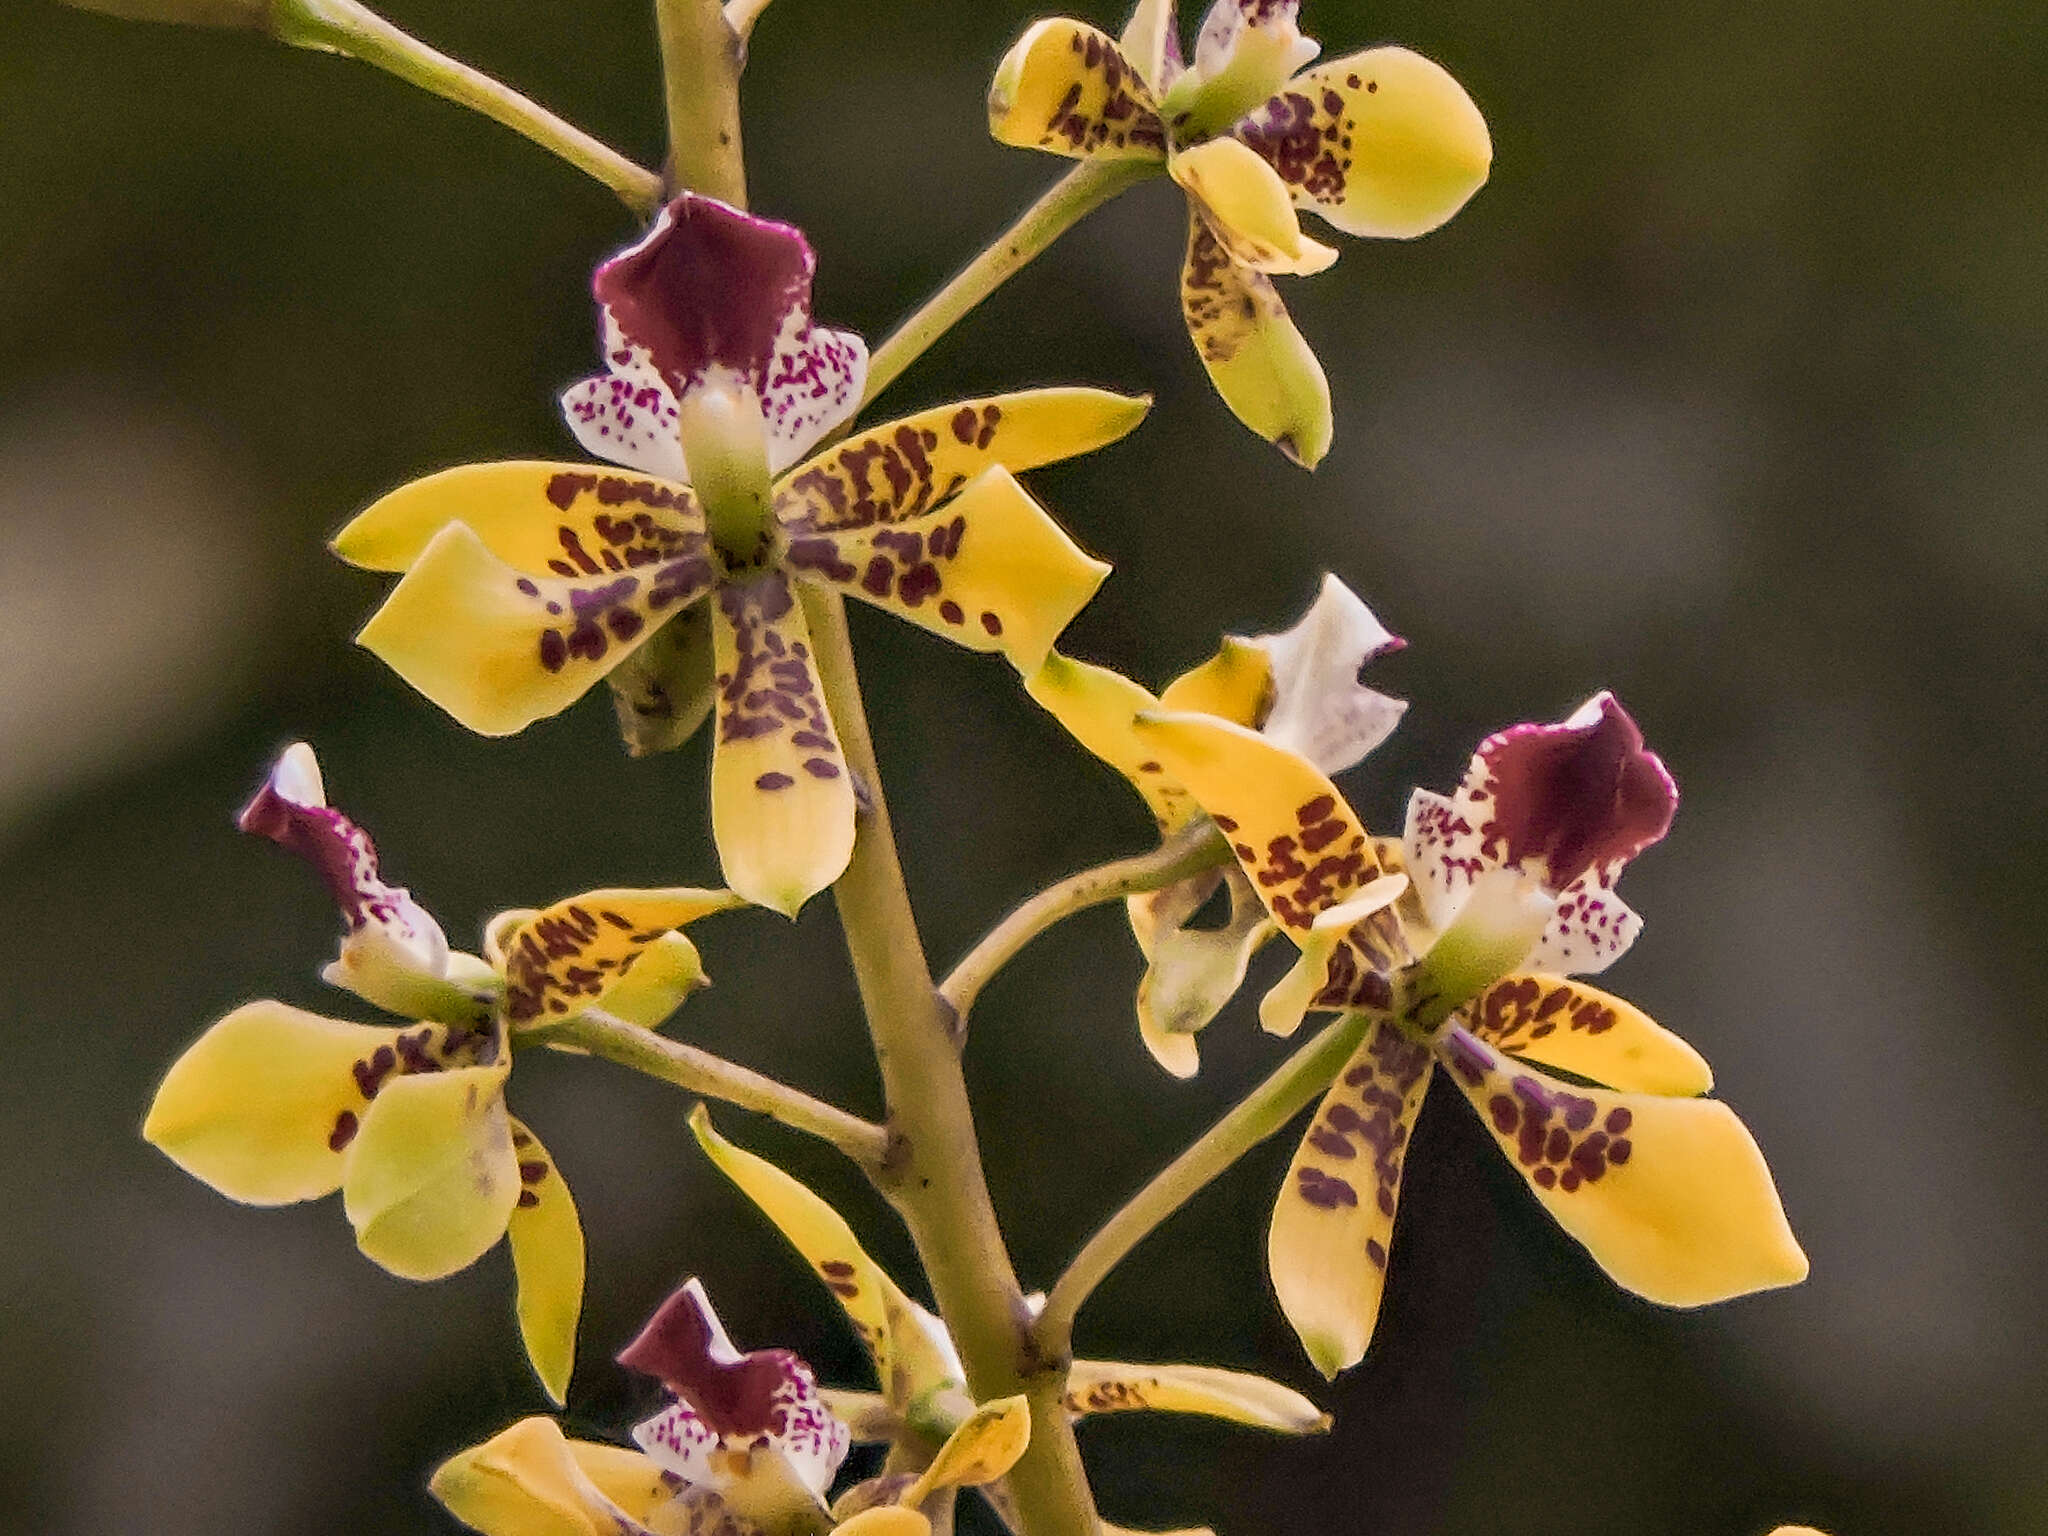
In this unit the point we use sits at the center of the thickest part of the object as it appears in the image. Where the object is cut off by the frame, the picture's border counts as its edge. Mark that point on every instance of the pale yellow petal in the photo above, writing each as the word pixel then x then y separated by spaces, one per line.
pixel 1248 207
pixel 1067 88
pixel 1588 1033
pixel 523 1482
pixel 1236 684
pixel 630 1479
pixel 664 976
pixel 885 1520
pixel 1106 1386
pixel 1099 709
pixel 981 1450
pixel 432 1176
pixel 547 1258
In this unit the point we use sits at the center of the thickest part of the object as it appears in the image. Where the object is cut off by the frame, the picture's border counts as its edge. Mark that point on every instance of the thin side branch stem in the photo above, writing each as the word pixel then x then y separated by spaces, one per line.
pixel 1190 852
pixel 700 1072
pixel 1075 195
pixel 701 58
pixel 1262 1113
pixel 343 26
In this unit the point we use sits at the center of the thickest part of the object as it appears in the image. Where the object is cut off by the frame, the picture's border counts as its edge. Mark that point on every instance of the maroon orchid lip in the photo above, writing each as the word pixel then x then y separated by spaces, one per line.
pixel 1575 796
pixel 738 1396
pixel 338 850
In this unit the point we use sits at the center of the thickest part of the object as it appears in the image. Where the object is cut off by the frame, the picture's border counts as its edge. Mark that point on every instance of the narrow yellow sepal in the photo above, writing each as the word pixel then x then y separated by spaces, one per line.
pixel 253 1107
pixel 1589 1033
pixel 1236 684
pixel 580 952
pixel 547 1259
pixel 1099 709
pixel 540 518
pixel 1067 88
pixel 1105 1386
pixel 981 1450
pixel 432 1176
pixel 1249 208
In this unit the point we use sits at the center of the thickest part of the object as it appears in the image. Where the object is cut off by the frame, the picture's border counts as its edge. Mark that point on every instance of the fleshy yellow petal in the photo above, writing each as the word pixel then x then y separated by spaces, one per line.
pixel 782 808
pixel 1346 956
pixel 570 520
pixel 1255 357
pixel 1099 709
pixel 498 648
pixel 524 1481
pixel 1588 1033
pixel 1380 143
pixel 572 955
pixel 1248 207
pixel 981 1450
pixel 666 973
pixel 905 468
pixel 1236 684
pixel 1068 88
pixel 885 1520
pixel 547 1258
pixel 1104 1386
pixel 630 1479
pixel 264 1105
pixel 988 570
pixel 1671 1196
pixel 1333 1224
pixel 432 1176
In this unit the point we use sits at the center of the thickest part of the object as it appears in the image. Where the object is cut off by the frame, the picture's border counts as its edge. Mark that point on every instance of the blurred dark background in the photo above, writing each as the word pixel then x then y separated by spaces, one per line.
pixel 1726 392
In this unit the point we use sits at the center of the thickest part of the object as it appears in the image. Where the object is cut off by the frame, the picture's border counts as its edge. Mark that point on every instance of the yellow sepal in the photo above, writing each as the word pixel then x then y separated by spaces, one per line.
pixel 1067 88
pixel 664 976
pixel 547 1258
pixel 432 1176
pixel 885 1520
pixel 1248 206
pixel 580 952
pixel 1236 684
pixel 526 1481
pixel 1099 709
pixel 981 1450
pixel 1589 1033
pixel 1104 1386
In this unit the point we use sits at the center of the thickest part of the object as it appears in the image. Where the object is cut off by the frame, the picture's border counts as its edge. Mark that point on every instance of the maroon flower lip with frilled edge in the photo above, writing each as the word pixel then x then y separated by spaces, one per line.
pixel 338 849
pixel 1583 794
pixel 709 286
pixel 685 1349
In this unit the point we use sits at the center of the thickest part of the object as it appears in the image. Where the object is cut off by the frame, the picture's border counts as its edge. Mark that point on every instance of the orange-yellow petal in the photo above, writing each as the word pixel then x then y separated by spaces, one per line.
pixel 547 1258
pixel 1067 88
pixel 1588 1033
pixel 572 955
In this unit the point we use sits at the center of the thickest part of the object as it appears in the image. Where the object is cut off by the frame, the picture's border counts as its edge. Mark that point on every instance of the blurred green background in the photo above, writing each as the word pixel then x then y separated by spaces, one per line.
pixel 1727 392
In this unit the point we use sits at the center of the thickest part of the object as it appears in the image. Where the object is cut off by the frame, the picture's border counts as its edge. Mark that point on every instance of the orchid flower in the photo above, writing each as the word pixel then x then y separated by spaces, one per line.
pixel 923 1384
pixel 1380 143
pixel 527 582
pixel 1512 884
pixel 745 1445
pixel 275 1105
pixel 1298 688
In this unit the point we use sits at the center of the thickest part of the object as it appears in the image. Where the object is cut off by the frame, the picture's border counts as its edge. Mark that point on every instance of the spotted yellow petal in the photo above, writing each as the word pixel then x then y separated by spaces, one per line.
pixel 1067 88
pixel 432 1175
pixel 1099 709
pixel 1379 143
pixel 547 1258
pixel 1255 357
pixel 782 808
pixel 1236 684
pixel 981 1450
pixel 498 648
pixel 1670 1195
pixel 576 953
pixel 264 1105
pixel 1247 206
pixel 528 1481
pixel 1333 1224
pixel 1586 1032
pixel 666 973
pixel 1346 958
pixel 1103 1386
pixel 904 468
pixel 569 520
pixel 988 570
pixel 885 1520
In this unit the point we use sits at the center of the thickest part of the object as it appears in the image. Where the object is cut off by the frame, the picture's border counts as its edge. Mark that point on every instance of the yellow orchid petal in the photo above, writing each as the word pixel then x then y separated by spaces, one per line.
pixel 547 1258
pixel 885 1520
pixel 981 1450
pixel 572 955
pixel 1191 973
pixel 1247 205
pixel 630 1479
pixel 1670 1196
pixel 1345 958
pixel 1380 143
pixel 816 1231
pixel 1333 1224
pixel 568 520
pixel 782 808
pixel 1236 684
pixel 524 1481
pixel 1588 1033
pixel 1150 40
pixel 664 976
pixel 988 570
pixel 498 648
pixel 1104 1386
pixel 263 1107
pixel 1125 1530
pixel 1068 88
pixel 432 1175
pixel 907 467
pixel 1099 709
pixel 1255 357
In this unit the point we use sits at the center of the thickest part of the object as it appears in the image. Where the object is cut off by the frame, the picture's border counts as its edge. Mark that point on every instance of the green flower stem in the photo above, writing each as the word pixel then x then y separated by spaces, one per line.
pixel 933 1174
pixel 1078 193
pixel 1262 1113
pixel 343 26
pixel 1190 852
pixel 715 1078
pixel 701 58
